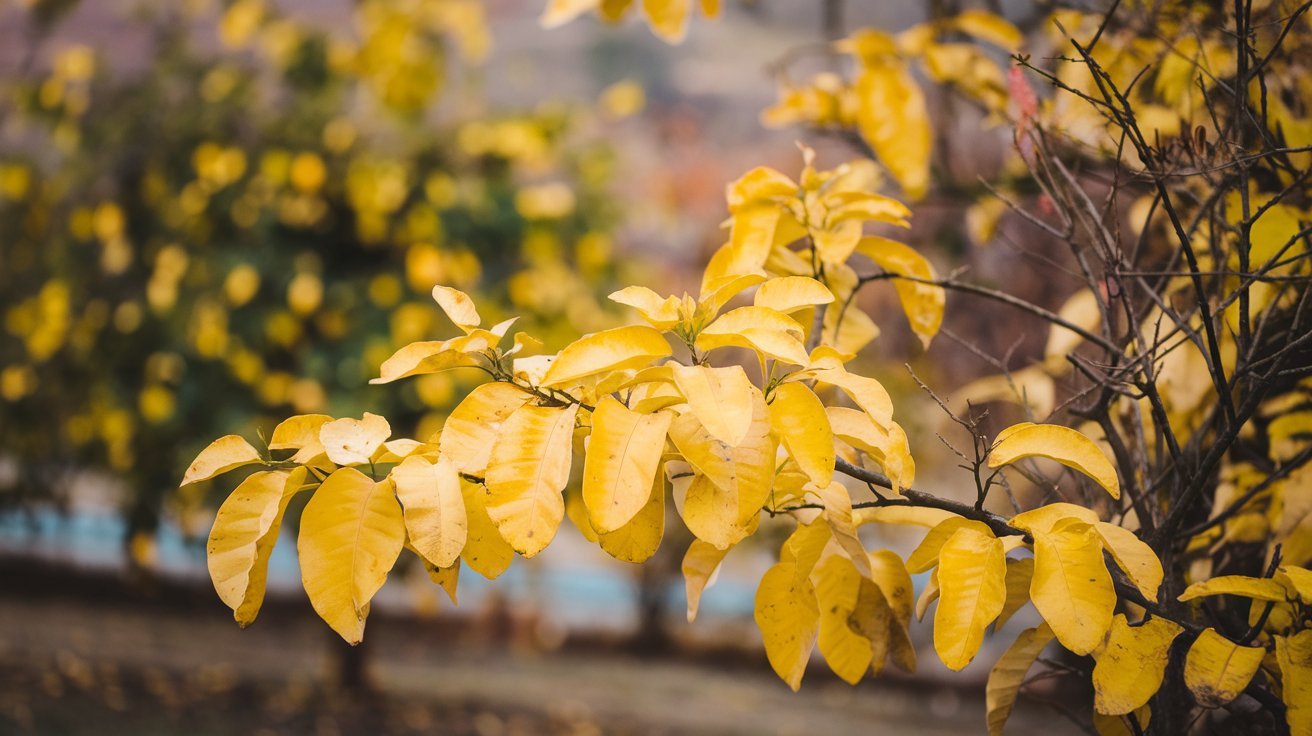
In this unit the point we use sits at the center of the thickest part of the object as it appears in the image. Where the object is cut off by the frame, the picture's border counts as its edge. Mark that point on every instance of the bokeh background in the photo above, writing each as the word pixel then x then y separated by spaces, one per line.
pixel 214 215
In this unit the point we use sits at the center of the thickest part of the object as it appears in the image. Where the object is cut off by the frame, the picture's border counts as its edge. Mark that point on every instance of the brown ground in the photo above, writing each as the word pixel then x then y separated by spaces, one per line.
pixel 85 655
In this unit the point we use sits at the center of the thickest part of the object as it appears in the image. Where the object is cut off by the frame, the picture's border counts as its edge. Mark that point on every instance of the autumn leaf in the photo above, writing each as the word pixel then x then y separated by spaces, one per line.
pixel 224 454
pixel 527 473
pixel 1055 442
pixel 972 590
pixel 788 615
pixel 351 533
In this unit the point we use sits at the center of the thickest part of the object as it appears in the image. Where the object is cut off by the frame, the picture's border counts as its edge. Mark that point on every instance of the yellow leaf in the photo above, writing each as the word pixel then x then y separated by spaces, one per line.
pixel 1137 559
pixel 928 595
pixel 1044 518
pixel 1298 580
pixel 434 508
pixel 798 418
pixel 773 334
pixel 1019 575
pixel 1217 670
pixel 734 482
pixel 1055 442
pixel 244 532
pixel 351 534
pixel 922 303
pixel 419 358
pixel 988 27
pixel 893 118
pixel 700 564
pixel 838 515
pixel 224 454
pixel 486 552
pixel 668 18
pixel 751 234
pixel 560 12
pixel 788 294
pixel 623 458
pixel 1008 675
pixel 972 572
pixel 526 474
pixel 720 398
pixel 805 545
pixel 1071 587
pixel 300 433
pixel 761 184
pixel 470 431
pixel 894 583
pixel 788 615
pixel 904 515
pixel 353 441
pixel 837 586
pixel 459 308
pixel 925 555
pixel 1294 657
pixel 640 537
pixel 1259 589
pixel 619 348
pixel 662 314
pixel 1131 665
pixel 447 578
pixel 868 393
pixel 718 292
pixel 714 514
pixel 1106 725
pixel 889 448
pixel 863 206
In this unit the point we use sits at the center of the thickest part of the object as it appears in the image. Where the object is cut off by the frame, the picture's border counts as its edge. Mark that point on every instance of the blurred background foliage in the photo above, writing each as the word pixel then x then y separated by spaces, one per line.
pixel 246 226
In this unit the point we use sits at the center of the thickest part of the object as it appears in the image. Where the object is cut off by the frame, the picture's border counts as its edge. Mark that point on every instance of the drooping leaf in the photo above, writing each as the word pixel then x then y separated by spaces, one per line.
pixel 925 555
pixel 1008 675
pixel 224 454
pixel 837 587
pixel 1133 556
pixel 720 398
pixel 640 536
pixel 623 458
pixel 245 529
pixel 433 507
pixel 923 303
pixel 486 552
pixel 1019 574
pixel 527 473
pixel 1294 658
pixel 634 346
pixel 351 534
pixel 471 429
pixel 1055 442
pixel 789 618
pixel 1131 664
pixel 893 118
pixel 798 418
pixel 1216 669
pixel 972 573
pixel 700 564
pixel 1071 587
